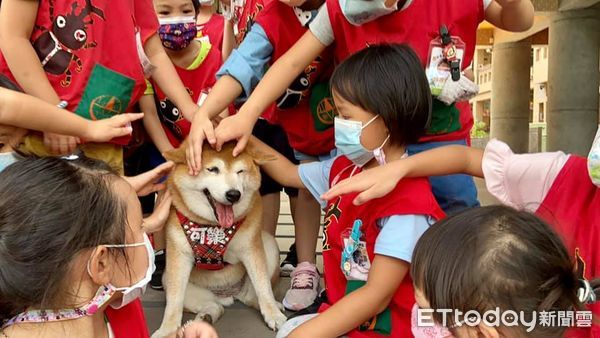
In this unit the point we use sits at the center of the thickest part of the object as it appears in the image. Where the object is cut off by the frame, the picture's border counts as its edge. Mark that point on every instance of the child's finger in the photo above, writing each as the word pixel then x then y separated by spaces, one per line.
pixel 240 146
pixel 209 133
pixel 124 119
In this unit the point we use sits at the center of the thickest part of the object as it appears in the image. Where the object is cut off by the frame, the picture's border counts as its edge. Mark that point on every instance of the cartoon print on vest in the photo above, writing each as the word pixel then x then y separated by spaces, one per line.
pixel 332 211
pixel 297 90
pixel 56 46
pixel 170 115
pixel 250 19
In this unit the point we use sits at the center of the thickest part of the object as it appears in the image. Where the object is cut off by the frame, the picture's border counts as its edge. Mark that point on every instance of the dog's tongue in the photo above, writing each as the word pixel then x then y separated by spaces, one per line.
pixel 225 215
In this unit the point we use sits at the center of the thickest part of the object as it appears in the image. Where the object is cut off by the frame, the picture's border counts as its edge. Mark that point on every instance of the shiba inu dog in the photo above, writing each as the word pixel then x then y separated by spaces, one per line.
pixel 217 251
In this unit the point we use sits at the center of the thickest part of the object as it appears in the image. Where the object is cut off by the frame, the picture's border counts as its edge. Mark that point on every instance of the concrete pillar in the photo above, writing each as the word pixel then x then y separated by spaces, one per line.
pixel 574 48
pixel 511 65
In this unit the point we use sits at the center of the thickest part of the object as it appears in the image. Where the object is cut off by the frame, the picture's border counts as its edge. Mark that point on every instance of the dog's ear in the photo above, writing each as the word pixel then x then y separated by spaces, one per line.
pixel 176 155
pixel 258 156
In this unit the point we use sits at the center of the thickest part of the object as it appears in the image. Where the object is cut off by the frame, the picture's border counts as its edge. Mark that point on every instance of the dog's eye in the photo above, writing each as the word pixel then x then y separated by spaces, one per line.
pixel 240 172
pixel 213 170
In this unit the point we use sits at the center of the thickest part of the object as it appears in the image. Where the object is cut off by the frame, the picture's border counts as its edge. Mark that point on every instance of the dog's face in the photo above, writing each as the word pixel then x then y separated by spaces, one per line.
pixel 223 191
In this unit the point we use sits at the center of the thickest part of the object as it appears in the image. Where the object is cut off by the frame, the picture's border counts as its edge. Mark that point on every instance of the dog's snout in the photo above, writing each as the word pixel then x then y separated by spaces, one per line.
pixel 233 195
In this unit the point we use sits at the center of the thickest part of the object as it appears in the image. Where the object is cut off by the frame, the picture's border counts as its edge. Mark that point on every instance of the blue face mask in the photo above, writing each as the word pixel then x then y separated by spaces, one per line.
pixel 7 159
pixel 358 12
pixel 347 141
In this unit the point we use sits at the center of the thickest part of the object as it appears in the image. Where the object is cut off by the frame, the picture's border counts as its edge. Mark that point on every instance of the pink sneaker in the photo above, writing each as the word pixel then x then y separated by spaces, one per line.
pixel 304 287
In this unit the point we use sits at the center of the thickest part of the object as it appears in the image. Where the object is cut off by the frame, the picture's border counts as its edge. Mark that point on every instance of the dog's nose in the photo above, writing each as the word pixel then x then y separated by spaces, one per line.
pixel 233 195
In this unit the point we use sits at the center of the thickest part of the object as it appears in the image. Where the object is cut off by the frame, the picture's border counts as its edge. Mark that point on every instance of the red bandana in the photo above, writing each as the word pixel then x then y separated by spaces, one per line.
pixel 209 242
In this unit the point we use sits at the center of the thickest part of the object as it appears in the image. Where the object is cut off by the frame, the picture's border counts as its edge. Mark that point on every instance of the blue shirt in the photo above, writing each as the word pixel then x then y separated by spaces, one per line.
pixel 398 235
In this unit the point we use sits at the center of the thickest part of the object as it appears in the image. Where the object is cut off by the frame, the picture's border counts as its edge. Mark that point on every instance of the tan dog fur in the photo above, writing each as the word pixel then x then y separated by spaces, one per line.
pixel 253 255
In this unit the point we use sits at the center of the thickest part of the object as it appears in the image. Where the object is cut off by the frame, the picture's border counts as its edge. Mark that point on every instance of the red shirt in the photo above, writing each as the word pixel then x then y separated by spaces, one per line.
pixel 197 81
pixel 417 25
pixel 411 196
pixel 89 53
pixel 572 206
pixel 128 321
pixel 309 130
pixel 213 29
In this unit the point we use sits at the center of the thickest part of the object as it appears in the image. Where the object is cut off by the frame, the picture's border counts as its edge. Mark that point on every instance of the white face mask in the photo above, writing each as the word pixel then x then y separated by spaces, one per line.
pixel 594 160
pixel 358 12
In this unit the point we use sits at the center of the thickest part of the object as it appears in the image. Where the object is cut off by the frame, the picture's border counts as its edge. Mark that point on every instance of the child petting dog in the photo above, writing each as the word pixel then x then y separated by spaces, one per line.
pixel 366 255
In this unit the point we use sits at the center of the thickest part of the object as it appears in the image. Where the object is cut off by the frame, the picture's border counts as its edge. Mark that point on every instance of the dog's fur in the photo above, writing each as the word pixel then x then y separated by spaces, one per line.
pixel 252 254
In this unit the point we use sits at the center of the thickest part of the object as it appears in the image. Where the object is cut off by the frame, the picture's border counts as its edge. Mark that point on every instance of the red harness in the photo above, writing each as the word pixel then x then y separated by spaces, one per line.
pixel 209 242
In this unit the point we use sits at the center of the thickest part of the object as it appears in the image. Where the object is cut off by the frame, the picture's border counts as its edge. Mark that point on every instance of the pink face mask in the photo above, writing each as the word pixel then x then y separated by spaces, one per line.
pixel 435 331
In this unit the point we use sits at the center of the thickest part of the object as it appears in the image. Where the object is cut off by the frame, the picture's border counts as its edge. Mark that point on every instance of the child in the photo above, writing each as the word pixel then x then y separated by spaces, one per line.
pixel 211 27
pixel 196 62
pixel 89 56
pixel 356 24
pixel 305 113
pixel 497 258
pixel 555 186
pixel 73 269
pixel 367 250
pixel 19 112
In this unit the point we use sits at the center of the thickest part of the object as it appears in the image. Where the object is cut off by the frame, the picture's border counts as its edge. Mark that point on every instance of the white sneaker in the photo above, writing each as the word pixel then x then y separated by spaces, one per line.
pixel 304 287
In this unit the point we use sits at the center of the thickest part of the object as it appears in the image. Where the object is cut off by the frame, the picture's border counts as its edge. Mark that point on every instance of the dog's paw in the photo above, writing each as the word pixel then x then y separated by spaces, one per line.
pixel 280 306
pixel 163 333
pixel 274 318
pixel 226 301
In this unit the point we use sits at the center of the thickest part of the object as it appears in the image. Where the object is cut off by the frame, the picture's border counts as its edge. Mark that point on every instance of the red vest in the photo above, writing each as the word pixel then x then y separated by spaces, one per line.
pixel 88 51
pixel 572 207
pixel 128 321
pixel 308 133
pixel 417 25
pixel 246 18
pixel 196 81
pixel 213 29
pixel 411 196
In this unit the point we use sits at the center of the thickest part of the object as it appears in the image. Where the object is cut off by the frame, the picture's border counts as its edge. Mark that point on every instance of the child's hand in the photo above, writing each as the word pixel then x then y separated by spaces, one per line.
pixel 202 129
pixel 237 127
pixel 149 182
pixel 157 220
pixel 197 329
pixel 373 183
pixel 60 144
pixel 107 129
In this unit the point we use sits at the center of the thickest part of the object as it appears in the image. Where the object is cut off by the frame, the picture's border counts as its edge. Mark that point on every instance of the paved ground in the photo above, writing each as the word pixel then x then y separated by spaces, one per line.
pixel 240 321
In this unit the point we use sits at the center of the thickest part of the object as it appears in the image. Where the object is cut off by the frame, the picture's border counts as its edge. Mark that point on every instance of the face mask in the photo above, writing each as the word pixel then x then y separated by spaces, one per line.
pixel 206 2
pixel 178 32
pixel 133 292
pixel 593 160
pixel 358 12
pixel 103 295
pixel 7 159
pixel 435 331
pixel 347 141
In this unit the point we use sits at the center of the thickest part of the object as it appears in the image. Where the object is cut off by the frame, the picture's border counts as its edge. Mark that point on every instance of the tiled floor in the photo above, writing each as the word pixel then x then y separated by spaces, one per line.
pixel 239 320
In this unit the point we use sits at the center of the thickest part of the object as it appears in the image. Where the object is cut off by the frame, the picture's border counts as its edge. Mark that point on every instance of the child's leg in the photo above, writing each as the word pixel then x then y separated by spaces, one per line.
pixel 454 193
pixel 270 212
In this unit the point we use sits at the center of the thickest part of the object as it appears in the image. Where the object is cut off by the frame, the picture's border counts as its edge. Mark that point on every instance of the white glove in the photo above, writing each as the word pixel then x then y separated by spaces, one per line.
pixel 456 91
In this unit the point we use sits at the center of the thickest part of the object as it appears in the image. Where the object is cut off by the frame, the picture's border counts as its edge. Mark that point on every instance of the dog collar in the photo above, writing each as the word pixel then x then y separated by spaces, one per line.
pixel 209 242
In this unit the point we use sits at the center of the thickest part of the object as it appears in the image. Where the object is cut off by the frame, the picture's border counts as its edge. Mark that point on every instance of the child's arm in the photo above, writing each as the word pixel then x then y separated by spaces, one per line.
pixel 153 125
pixel 511 15
pixel 378 182
pixel 276 80
pixel 28 112
pixel 385 276
pixel 167 79
pixel 279 168
pixel 228 39
pixel 17 20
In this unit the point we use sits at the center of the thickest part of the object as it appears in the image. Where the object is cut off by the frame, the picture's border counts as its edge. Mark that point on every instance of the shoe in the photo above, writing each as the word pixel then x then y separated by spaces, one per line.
pixel 304 287
pixel 289 262
pixel 159 262
pixel 314 307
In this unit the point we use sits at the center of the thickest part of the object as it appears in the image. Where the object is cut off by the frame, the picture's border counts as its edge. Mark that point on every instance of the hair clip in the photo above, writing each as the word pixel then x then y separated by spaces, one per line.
pixel 585 293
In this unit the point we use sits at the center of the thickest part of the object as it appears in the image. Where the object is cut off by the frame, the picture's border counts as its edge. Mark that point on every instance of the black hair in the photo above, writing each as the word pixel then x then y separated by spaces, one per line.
pixel 50 210
pixel 7 83
pixel 496 257
pixel 388 80
pixel 196 4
